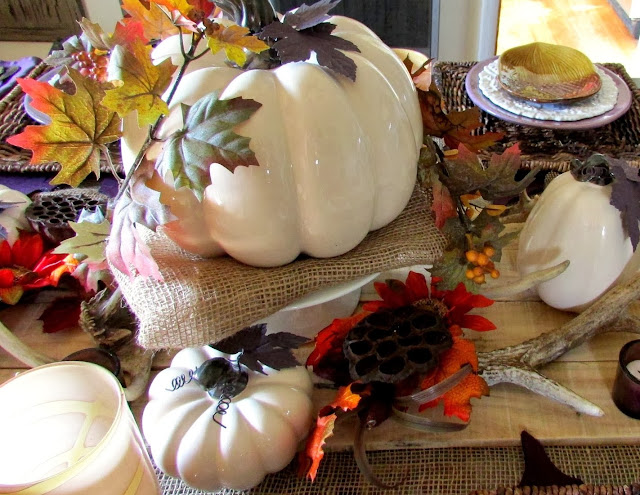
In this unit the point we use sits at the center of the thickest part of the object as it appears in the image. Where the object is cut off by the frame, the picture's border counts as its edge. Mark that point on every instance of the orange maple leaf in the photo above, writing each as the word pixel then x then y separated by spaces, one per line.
pixel 457 402
pixel 309 459
pixel 80 128
pixel 346 399
pixel 155 22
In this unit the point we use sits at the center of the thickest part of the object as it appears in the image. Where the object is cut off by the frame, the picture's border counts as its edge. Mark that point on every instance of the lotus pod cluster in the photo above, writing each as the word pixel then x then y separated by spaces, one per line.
pixel 50 212
pixel 390 345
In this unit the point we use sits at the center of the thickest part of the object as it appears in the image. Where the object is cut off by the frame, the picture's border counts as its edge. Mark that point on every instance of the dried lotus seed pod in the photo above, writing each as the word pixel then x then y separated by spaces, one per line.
pixel 50 212
pixel 390 345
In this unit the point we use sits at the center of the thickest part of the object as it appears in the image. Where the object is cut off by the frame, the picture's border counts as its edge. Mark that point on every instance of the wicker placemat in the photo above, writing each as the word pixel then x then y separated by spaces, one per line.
pixel 549 148
pixel 442 471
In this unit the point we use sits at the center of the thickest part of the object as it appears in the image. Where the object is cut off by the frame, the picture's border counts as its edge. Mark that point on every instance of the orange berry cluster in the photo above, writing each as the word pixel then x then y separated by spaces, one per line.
pixel 481 264
pixel 91 65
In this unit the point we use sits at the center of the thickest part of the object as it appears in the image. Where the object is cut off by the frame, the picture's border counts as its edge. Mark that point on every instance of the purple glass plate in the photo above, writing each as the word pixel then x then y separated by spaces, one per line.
pixel 479 99
pixel 13 69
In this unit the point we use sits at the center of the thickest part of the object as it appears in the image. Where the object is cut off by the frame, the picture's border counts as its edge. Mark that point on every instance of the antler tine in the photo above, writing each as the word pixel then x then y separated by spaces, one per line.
pixel 516 364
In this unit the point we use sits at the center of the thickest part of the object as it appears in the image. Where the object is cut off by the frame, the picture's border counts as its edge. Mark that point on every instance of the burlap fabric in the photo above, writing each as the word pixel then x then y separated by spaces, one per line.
pixel 201 300
pixel 549 148
pixel 441 471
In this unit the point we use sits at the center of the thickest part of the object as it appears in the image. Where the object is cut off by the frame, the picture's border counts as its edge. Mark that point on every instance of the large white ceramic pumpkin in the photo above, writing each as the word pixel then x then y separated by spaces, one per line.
pixel 258 432
pixel 574 221
pixel 337 158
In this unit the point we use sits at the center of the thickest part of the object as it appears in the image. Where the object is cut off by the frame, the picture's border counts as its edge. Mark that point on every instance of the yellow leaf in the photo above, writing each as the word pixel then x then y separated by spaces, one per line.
pixel 80 127
pixel 141 83
pixel 234 40
pixel 156 24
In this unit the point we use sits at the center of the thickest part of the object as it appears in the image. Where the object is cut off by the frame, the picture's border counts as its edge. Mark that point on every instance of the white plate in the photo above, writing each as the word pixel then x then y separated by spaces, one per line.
pixel 330 293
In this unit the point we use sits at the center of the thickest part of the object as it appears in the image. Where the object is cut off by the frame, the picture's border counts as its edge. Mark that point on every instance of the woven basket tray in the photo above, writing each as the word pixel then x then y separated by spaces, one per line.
pixel 549 148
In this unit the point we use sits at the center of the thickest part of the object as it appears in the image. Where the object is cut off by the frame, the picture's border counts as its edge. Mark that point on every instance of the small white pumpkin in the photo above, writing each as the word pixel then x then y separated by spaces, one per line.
pixel 574 221
pixel 258 432
pixel 337 158
pixel 13 217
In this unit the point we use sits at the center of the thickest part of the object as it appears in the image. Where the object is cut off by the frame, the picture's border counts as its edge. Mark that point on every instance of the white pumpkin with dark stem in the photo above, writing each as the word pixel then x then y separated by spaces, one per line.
pixel 337 158
pixel 575 221
pixel 245 426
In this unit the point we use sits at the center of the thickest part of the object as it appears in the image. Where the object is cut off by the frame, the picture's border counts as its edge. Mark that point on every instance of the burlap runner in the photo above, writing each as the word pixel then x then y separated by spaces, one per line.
pixel 204 300
pixel 441 471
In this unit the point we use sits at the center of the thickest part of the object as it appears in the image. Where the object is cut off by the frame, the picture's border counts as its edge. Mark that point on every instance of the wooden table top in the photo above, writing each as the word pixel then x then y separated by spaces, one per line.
pixel 497 420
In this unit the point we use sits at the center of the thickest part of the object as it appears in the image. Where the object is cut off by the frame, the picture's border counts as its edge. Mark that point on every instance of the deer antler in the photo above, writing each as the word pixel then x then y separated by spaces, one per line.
pixel 516 364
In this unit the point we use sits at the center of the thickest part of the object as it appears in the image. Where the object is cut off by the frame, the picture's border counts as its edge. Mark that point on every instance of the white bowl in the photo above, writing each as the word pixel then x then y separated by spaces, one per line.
pixel 313 312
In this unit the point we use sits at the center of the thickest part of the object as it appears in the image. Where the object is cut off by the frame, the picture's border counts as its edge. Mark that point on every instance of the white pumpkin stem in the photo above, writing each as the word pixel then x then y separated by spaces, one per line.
pixel 252 14
pixel 516 364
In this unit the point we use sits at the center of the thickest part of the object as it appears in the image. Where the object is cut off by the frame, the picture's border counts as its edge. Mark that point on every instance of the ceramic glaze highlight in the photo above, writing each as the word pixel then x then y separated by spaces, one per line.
pixel 574 221
pixel 337 158
pixel 258 434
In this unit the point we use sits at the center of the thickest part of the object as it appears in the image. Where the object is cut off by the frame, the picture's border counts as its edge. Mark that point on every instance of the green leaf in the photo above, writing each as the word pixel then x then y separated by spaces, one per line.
pixel 90 240
pixel 208 137
pixel 466 174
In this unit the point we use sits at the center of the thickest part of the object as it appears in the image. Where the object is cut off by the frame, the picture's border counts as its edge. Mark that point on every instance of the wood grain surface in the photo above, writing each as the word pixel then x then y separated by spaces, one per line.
pixel 39 20
pixel 497 420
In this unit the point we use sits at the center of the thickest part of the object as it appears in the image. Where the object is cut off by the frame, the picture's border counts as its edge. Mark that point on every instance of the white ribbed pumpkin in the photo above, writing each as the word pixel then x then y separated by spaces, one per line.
pixel 574 221
pixel 337 158
pixel 262 425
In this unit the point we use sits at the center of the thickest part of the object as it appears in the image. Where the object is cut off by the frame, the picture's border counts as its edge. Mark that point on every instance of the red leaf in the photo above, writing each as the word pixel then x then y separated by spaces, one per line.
pixel 442 205
pixel 5 254
pixel 417 286
pixel 476 322
pixel 61 314
pixel 27 250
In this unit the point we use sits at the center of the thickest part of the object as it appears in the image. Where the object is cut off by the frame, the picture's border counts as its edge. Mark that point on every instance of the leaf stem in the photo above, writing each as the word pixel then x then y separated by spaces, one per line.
pixel 112 167
pixel 188 58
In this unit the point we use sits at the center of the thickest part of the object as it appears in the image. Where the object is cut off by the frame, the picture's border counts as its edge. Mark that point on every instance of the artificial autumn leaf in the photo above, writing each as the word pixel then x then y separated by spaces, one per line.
pixel 123 34
pixel 457 401
pixel 155 23
pixel 256 348
pixel 308 16
pixel 475 204
pixel 138 207
pixel 298 46
pixel 234 40
pixel 420 75
pixel 346 399
pixel 309 459
pixel 327 358
pixel 625 196
pixel 89 241
pixel 62 314
pixel 79 130
pixel 208 137
pixel 465 173
pixel 455 127
pixel 140 84
pixel 70 46
pixel 442 203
